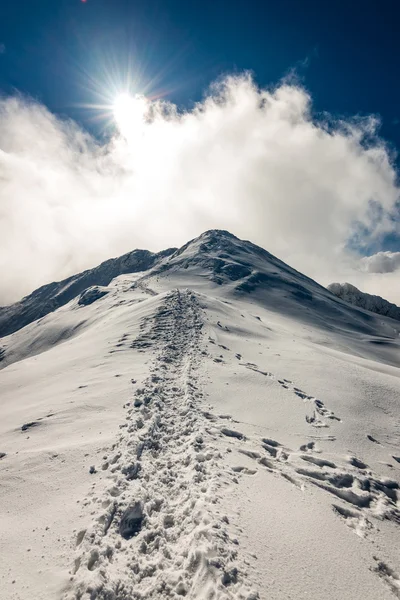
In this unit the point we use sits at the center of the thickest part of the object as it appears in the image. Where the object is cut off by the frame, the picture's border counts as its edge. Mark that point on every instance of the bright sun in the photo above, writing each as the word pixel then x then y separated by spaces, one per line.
pixel 129 113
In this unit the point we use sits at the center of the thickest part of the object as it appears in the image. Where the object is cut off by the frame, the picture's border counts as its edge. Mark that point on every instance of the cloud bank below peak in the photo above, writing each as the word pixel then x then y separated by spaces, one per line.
pixel 250 160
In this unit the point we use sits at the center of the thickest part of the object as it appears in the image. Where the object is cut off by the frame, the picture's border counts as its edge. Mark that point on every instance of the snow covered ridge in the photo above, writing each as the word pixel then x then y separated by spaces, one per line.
pixel 53 295
pixel 349 293
pixel 216 259
pixel 216 256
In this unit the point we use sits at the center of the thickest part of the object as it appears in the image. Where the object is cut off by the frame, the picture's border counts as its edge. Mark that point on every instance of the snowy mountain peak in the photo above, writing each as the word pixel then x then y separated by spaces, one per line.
pixel 349 293
pixel 215 235
pixel 217 255
pixel 238 267
pixel 210 242
pixel 225 258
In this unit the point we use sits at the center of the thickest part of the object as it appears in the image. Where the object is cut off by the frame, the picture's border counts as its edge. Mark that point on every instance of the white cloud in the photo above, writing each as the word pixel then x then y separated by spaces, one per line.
pixel 248 160
pixel 381 262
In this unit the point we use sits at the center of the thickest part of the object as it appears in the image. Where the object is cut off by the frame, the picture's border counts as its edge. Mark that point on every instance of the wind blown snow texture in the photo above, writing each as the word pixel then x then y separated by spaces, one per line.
pixel 215 426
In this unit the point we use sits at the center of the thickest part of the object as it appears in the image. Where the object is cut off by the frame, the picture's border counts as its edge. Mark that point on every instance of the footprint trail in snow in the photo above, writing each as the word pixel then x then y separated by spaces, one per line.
pixel 154 534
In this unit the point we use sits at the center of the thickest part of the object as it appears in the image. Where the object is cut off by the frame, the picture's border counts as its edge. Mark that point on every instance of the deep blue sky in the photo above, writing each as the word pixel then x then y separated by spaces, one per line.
pixel 347 53
pixel 353 48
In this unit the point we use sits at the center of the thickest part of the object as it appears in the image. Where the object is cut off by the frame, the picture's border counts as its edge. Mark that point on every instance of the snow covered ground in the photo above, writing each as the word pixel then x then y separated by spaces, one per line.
pixel 216 427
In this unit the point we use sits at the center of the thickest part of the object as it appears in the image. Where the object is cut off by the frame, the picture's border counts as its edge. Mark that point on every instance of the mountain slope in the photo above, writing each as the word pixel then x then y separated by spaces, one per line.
pixel 202 432
pixel 242 269
pixel 233 268
pixel 49 297
pixel 349 293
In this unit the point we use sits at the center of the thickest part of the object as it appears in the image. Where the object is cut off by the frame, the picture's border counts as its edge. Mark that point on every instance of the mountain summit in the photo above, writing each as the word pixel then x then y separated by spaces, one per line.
pixel 216 258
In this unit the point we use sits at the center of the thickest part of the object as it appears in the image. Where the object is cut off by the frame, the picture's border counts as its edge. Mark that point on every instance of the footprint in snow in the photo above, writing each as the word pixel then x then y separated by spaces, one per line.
pixel 254 367
pixel 244 470
pixel 323 438
pixel 363 492
pixel 354 519
pixel 27 426
pixel 271 442
pixel 315 421
pixel 320 462
pixel 359 464
pixel 308 447
pixel 261 460
pixel 131 521
pixel 232 433
pixel 320 407
pixel 302 395
pixel 390 577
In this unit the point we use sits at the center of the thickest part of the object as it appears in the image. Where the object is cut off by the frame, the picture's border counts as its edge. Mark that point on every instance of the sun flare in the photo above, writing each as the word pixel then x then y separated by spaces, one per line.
pixel 130 112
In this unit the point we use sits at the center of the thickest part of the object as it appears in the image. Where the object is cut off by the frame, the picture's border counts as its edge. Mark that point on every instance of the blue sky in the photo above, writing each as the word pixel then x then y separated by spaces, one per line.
pixel 312 195
pixel 346 53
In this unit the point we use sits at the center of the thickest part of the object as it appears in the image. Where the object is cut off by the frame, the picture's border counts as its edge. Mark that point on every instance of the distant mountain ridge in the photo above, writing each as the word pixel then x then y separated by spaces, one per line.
pixel 349 293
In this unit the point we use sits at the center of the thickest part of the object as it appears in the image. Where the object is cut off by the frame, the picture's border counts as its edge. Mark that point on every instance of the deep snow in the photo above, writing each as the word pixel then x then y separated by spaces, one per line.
pixel 218 426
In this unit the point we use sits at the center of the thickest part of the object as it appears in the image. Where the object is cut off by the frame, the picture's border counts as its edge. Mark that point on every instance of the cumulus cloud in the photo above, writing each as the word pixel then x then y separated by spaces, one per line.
pixel 250 160
pixel 381 262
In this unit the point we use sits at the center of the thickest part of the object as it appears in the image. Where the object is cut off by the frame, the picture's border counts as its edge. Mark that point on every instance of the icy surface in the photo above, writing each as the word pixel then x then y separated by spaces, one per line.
pixel 217 426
